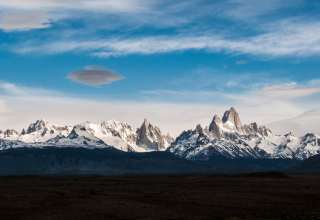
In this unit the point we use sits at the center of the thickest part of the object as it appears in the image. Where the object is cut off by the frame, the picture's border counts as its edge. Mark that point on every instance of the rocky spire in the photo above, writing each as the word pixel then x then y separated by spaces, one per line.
pixel 254 129
pixel 199 129
pixel 215 126
pixel 232 116
pixel 38 125
pixel 149 136
pixel 10 133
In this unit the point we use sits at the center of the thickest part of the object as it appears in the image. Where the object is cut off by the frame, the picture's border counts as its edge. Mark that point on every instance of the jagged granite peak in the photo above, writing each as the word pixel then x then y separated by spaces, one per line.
pixel 231 119
pixel 120 129
pixel 38 125
pixel 150 137
pixel 254 129
pixel 215 126
pixel 195 145
pixel 10 133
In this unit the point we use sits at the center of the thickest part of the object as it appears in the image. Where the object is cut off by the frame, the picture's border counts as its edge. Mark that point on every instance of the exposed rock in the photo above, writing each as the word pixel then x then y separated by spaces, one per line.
pixel 150 137
pixel 231 119
pixel 215 126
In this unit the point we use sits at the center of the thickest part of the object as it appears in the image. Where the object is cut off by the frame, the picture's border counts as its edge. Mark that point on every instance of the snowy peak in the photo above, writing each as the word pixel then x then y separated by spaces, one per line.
pixel 42 131
pixel 227 137
pixel 230 123
pixel 150 137
pixel 38 125
pixel 105 134
pixel 121 130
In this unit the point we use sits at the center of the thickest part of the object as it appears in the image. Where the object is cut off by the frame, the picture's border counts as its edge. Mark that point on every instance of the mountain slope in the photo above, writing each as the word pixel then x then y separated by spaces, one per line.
pixel 227 137
pixel 92 135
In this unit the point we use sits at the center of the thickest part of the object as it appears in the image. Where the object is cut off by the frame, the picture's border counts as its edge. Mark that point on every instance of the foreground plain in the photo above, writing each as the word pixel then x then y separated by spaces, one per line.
pixel 259 196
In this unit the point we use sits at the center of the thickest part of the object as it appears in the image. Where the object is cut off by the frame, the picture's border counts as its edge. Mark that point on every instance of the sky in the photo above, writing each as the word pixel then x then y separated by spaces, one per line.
pixel 176 63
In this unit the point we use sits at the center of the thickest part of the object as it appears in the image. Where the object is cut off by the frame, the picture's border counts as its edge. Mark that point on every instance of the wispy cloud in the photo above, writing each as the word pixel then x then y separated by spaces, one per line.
pixel 287 38
pixel 94 76
pixel 23 20
pixel 109 5
pixel 251 9
pixel 19 15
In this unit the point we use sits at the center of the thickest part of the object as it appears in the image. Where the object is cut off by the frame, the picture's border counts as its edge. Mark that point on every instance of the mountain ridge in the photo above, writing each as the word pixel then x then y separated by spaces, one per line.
pixel 106 134
pixel 229 138
pixel 225 136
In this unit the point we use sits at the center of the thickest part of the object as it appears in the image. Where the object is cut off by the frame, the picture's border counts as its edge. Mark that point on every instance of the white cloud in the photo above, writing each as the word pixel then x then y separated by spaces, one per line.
pixel 251 9
pixel 21 15
pixel 289 38
pixel 23 20
pixel 98 5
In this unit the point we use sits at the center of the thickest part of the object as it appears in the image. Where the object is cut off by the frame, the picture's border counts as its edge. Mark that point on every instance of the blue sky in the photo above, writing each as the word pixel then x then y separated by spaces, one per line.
pixel 161 59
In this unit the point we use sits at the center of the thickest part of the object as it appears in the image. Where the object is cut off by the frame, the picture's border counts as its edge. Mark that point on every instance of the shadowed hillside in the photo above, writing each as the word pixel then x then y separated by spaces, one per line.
pixel 109 161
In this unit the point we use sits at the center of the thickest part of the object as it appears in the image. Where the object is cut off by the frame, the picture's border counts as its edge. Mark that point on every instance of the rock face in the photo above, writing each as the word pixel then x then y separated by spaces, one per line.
pixel 150 137
pixel 231 120
pixel 227 137
pixel 38 125
pixel 9 134
pixel 215 126
pixel 254 129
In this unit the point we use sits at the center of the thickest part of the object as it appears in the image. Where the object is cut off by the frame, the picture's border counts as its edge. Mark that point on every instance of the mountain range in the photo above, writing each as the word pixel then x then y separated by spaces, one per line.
pixel 227 137
pixel 107 134
pixel 225 141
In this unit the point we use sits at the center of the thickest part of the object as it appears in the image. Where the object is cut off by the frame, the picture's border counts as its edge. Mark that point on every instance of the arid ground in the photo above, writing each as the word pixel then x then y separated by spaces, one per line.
pixel 270 196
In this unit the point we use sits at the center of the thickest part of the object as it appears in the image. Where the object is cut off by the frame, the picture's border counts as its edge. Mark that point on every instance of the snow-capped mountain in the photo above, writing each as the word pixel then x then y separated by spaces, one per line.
pixel 90 135
pixel 42 131
pixel 150 137
pixel 227 137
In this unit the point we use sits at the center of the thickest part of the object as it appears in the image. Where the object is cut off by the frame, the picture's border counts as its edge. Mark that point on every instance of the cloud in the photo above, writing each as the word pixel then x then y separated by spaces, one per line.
pixel 98 5
pixel 23 20
pixel 289 91
pixel 252 9
pixel 20 15
pixel 152 12
pixel 287 38
pixel 94 76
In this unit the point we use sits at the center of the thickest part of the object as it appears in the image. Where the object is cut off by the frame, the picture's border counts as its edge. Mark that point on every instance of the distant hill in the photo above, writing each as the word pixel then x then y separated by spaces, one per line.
pixel 110 161
pixel 311 165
